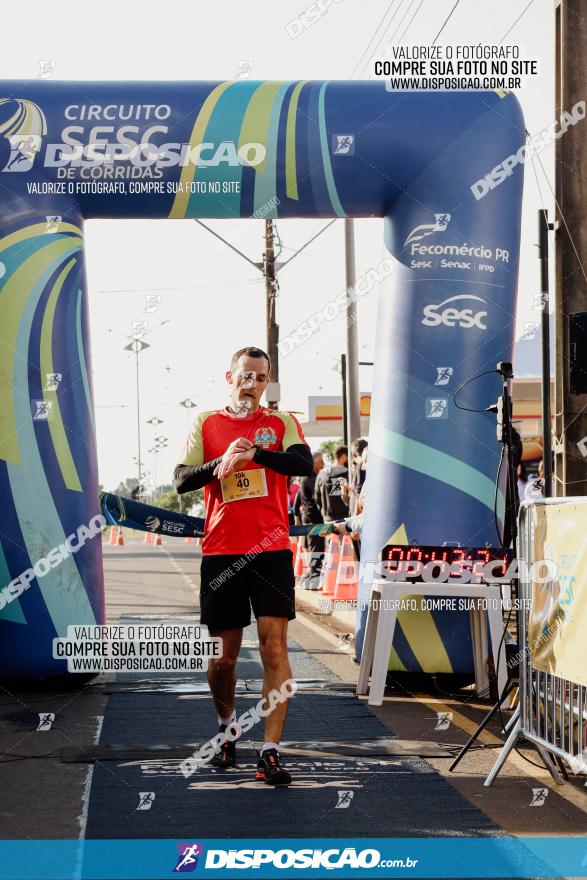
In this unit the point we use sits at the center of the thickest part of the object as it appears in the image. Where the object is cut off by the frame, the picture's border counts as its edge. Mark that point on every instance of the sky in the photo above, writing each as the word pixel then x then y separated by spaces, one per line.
pixel 212 300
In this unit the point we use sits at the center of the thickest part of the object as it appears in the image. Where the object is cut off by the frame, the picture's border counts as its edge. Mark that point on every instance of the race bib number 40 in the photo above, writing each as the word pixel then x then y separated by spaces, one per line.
pixel 244 484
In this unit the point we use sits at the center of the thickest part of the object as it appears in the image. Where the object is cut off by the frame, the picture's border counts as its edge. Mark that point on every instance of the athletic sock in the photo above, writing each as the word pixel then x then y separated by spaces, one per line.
pixel 223 723
pixel 269 745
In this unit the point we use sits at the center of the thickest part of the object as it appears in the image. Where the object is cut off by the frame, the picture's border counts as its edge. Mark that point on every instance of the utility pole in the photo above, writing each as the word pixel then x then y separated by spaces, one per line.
pixel 271 288
pixel 571 241
pixel 543 228
pixel 352 346
pixel 345 419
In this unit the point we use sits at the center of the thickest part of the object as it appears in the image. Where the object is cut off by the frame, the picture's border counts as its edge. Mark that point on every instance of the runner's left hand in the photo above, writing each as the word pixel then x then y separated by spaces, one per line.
pixel 233 462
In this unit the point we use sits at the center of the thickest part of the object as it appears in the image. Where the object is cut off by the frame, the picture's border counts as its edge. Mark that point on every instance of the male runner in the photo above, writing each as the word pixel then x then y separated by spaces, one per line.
pixel 243 455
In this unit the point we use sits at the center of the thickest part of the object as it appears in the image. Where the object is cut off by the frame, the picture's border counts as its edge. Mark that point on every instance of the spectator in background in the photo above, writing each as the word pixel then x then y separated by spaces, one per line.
pixel 535 485
pixel 353 525
pixel 522 480
pixel 329 487
pixel 292 491
pixel 307 512
pixel 357 475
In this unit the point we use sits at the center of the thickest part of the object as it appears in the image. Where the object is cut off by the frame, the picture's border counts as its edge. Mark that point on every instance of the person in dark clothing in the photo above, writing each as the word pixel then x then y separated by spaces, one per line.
pixel 357 473
pixel 308 513
pixel 329 487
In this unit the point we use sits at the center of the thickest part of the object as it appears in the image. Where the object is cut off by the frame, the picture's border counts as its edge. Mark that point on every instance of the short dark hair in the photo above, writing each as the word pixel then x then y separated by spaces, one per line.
pixel 250 351
pixel 339 451
pixel 358 445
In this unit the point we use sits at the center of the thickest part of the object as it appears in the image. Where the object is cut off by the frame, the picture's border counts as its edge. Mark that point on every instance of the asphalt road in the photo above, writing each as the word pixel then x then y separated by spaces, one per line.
pixel 43 797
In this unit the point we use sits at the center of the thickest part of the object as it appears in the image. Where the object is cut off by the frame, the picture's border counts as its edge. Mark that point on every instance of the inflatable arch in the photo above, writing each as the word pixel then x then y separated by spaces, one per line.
pixel 74 151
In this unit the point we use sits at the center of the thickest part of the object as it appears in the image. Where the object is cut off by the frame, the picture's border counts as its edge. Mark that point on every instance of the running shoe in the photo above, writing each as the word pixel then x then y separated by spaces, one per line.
pixel 270 771
pixel 225 757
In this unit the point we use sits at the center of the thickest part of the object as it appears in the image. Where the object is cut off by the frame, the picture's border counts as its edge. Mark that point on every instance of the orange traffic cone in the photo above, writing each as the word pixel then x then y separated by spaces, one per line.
pixel 330 566
pixel 148 539
pixel 113 535
pixel 157 542
pixel 347 575
pixel 301 563
pixel 120 538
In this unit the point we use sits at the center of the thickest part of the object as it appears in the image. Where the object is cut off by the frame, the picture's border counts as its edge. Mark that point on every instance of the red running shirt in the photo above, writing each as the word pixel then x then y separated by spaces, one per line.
pixel 247 513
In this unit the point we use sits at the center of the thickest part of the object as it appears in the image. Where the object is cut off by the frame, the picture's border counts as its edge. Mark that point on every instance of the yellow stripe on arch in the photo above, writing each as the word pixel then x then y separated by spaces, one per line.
pixel 188 174
pixel 56 427
pixel 12 302
pixel 255 127
pixel 34 230
pixel 291 175
pixel 419 630
pixel 13 123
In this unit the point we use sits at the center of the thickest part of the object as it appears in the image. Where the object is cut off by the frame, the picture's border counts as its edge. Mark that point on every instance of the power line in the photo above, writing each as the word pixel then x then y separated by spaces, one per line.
pixel 410 22
pixel 402 19
pixel 227 243
pixel 524 11
pixel 358 65
pixel 313 256
pixel 304 246
pixel 445 22
pixel 356 68
pixel 173 289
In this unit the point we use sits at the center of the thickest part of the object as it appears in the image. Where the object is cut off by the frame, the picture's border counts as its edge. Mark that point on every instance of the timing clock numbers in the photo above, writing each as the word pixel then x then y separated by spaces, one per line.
pixel 443 564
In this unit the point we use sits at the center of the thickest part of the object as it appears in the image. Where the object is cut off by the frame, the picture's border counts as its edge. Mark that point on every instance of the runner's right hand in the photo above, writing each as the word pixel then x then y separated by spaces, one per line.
pixel 238 446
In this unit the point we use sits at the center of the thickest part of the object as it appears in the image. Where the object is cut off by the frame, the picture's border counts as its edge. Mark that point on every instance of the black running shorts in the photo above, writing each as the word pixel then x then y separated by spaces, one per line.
pixel 231 584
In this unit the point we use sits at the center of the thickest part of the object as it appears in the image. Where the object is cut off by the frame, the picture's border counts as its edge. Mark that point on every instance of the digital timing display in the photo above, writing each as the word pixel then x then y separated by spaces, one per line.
pixel 471 565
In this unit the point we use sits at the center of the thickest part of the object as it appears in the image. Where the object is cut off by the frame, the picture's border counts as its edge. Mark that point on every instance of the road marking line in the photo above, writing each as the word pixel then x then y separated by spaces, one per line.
pixel 83 816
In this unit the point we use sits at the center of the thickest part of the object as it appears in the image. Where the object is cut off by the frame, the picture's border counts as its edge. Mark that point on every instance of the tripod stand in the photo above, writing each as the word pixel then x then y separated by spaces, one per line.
pixel 503 409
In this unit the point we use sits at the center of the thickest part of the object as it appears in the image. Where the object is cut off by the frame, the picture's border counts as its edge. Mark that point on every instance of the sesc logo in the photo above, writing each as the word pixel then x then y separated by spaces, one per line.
pixel 451 316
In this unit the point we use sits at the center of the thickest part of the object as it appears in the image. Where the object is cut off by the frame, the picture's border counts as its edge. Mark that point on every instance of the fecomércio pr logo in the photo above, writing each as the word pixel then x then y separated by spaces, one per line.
pixel 440 224
pixel 188 857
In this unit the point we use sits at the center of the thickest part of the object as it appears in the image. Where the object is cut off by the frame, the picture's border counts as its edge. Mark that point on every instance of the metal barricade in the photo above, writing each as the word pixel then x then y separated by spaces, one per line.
pixel 552 713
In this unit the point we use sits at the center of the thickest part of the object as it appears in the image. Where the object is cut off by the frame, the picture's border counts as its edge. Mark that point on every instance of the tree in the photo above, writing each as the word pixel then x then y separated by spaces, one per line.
pixel 170 500
pixel 327 447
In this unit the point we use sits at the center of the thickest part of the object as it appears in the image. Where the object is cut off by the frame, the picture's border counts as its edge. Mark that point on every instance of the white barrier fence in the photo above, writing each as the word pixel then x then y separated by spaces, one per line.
pixel 553 647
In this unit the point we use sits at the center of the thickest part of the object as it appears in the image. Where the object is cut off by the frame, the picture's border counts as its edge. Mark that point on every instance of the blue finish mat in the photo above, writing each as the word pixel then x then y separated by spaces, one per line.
pixel 342 797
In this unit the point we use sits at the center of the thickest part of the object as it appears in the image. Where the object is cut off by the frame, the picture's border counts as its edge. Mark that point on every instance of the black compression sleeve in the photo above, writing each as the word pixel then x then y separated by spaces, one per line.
pixel 296 461
pixel 187 477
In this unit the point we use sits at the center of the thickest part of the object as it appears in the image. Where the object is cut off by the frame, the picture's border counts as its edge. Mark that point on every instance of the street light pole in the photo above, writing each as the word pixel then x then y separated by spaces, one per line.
pixel 136 346
pixel 138 418
pixel 155 421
